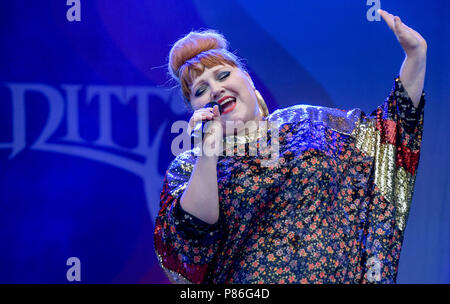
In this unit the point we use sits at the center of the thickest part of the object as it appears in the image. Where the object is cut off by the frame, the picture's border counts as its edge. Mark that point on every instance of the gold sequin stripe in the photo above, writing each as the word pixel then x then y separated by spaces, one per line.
pixel 395 183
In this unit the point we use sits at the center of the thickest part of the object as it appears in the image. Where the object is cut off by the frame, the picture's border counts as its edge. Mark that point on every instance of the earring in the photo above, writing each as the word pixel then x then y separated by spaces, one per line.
pixel 262 104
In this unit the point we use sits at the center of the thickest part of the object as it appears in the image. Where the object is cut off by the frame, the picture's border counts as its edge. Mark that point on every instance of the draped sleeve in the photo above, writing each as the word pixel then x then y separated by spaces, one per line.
pixel 184 244
pixel 392 135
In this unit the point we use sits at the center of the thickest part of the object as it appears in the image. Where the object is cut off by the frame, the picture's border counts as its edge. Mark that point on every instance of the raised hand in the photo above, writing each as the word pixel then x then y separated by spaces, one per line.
pixel 411 41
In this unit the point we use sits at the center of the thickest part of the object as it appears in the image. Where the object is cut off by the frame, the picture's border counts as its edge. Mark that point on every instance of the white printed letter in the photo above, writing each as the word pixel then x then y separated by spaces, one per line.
pixel 74 272
pixel 74 13
pixel 372 12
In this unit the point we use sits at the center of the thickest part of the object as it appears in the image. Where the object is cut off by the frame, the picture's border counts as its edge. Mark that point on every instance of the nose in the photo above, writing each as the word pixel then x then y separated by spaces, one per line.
pixel 216 92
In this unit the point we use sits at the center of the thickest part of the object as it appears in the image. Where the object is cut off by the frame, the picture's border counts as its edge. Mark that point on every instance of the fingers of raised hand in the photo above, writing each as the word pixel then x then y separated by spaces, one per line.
pixel 394 22
pixel 388 18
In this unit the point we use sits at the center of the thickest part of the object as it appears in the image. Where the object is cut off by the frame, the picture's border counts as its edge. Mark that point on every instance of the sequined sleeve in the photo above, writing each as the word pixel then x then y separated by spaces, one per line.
pixel 184 244
pixel 392 135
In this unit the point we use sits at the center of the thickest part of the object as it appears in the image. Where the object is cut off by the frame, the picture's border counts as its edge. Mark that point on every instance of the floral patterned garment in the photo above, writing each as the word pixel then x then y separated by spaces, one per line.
pixel 332 210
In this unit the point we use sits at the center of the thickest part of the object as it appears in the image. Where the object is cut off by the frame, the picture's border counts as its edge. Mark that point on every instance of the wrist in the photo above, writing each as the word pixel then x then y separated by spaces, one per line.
pixel 208 159
pixel 417 54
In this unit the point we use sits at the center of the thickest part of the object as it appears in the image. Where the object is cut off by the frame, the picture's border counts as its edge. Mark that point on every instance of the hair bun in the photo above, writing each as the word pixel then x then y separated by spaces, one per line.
pixel 191 45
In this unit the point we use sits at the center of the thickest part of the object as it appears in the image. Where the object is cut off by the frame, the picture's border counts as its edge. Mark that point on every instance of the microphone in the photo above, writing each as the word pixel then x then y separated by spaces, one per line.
pixel 197 131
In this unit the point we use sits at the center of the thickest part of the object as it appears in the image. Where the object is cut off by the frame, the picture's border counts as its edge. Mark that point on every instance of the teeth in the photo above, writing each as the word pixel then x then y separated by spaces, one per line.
pixel 227 100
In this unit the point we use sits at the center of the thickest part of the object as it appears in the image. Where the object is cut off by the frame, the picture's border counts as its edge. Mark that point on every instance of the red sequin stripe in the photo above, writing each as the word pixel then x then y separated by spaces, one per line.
pixel 387 128
pixel 407 159
pixel 194 273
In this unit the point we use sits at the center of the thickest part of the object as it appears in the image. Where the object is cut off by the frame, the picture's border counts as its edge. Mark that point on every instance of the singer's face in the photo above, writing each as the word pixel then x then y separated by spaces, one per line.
pixel 226 81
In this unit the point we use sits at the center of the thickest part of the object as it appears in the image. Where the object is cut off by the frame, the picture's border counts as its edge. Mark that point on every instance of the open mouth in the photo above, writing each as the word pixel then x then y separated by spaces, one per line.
pixel 227 103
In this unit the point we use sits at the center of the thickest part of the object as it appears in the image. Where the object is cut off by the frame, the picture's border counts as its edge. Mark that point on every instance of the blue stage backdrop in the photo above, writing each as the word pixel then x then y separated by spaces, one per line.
pixel 86 111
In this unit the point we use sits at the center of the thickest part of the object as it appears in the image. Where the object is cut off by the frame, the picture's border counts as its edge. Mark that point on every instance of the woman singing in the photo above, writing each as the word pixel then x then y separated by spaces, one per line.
pixel 331 209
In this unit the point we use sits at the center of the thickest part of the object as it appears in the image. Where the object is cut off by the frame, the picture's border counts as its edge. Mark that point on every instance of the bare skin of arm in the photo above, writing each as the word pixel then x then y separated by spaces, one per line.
pixel 412 72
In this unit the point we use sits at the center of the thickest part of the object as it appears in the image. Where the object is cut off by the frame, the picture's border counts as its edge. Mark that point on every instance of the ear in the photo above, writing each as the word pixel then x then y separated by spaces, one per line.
pixel 249 78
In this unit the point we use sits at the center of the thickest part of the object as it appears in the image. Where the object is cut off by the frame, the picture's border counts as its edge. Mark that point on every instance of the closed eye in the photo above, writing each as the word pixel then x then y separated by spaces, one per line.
pixel 220 76
pixel 224 75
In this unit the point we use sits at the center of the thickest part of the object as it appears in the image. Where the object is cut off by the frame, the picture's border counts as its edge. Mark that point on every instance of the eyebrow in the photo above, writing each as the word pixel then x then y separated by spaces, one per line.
pixel 215 72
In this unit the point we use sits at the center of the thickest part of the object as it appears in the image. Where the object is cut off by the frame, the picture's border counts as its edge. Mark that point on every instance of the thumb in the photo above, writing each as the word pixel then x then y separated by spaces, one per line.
pixel 216 111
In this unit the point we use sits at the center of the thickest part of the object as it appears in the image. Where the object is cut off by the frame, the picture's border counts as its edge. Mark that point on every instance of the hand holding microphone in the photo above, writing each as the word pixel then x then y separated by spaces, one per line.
pixel 210 135
pixel 211 111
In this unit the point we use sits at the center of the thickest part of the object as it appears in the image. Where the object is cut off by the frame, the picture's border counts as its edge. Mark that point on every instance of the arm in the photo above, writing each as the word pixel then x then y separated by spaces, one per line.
pixel 201 195
pixel 185 245
pixel 392 135
pixel 187 231
pixel 412 72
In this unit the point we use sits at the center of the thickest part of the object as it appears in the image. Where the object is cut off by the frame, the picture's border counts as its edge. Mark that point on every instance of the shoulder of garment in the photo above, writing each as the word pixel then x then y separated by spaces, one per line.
pixel 336 119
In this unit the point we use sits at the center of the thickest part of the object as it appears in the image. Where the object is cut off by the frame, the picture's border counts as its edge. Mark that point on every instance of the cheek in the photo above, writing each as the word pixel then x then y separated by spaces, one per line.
pixel 246 94
pixel 249 99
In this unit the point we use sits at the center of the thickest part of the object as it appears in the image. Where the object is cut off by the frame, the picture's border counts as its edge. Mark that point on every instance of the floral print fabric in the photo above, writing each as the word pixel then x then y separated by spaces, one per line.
pixel 331 210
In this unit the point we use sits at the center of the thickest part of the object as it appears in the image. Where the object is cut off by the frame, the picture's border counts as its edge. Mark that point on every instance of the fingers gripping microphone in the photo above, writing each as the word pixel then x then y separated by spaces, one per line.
pixel 197 131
